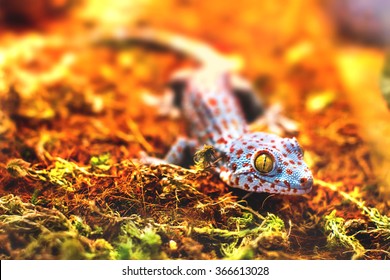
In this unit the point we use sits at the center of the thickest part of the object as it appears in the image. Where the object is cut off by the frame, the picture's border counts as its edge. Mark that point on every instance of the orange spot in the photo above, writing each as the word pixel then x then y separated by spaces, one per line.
pixel 225 124
pixel 221 141
pixel 212 101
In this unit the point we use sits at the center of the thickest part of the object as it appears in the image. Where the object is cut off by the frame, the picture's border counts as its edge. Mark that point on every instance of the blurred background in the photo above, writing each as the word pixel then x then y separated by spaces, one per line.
pixel 266 27
pixel 362 20
pixel 263 30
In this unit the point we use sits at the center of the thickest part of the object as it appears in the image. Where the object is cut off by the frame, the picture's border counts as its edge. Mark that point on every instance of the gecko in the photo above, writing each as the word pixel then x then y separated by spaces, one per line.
pixel 209 98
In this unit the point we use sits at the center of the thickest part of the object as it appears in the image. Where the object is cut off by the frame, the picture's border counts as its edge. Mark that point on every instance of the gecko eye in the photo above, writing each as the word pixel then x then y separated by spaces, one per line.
pixel 264 162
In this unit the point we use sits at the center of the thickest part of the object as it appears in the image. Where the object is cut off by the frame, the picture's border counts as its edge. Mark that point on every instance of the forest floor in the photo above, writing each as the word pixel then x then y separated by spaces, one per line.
pixel 75 116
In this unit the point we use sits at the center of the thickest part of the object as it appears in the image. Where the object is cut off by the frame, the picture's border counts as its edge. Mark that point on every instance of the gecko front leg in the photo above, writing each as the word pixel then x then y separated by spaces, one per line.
pixel 176 155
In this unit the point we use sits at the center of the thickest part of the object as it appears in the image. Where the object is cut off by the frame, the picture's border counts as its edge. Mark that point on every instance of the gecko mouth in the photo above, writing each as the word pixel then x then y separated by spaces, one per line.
pixel 293 191
pixel 284 189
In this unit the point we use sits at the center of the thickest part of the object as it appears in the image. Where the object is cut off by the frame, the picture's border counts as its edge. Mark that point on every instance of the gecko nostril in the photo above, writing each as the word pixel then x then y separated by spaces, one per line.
pixel 306 182
pixel 303 181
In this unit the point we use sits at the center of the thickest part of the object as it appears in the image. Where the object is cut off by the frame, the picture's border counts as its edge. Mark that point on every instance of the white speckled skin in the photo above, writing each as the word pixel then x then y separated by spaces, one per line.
pixel 290 174
pixel 215 117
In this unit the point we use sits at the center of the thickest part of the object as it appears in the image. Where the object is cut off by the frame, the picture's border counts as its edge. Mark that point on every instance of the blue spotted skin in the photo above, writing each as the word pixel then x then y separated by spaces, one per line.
pixel 214 118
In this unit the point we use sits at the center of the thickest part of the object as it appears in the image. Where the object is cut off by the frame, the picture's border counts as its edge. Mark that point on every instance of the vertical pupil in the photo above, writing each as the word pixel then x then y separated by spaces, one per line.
pixel 264 163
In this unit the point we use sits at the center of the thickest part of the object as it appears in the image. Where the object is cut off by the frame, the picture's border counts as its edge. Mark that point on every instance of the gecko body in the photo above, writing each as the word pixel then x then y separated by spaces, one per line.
pixel 253 161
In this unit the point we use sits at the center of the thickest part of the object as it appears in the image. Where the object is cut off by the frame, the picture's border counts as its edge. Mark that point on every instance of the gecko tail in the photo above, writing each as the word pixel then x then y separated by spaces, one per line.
pixel 202 52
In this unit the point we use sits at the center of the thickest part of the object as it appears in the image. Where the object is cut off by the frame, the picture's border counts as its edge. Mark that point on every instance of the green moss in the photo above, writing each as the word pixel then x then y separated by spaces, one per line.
pixel 48 234
pixel 103 250
pixel 64 174
pixel 101 162
pixel 381 222
pixel 17 168
pixel 337 236
pixel 138 244
pixel 249 235
pixel 72 249
pixel 81 227
pixel 244 221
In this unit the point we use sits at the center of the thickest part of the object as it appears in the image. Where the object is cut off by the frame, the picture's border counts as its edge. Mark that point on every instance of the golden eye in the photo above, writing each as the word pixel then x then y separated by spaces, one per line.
pixel 264 162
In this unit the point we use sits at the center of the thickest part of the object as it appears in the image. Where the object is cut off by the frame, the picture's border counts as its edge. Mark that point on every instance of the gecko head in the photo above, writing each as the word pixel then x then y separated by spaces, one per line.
pixel 263 162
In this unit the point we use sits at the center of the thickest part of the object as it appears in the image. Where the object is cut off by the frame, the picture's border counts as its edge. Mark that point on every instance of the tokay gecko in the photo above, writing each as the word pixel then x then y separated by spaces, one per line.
pixel 215 102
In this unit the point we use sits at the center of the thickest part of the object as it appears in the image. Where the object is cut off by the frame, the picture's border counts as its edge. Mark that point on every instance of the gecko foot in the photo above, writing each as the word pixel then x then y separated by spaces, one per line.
pixel 144 158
